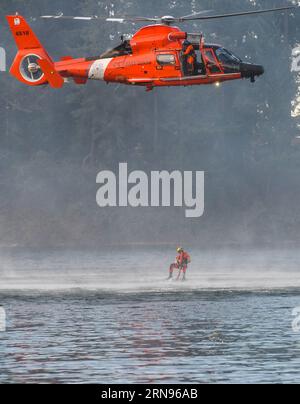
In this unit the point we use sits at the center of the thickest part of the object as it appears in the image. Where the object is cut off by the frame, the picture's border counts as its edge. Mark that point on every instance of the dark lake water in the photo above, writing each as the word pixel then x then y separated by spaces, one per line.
pixel 78 318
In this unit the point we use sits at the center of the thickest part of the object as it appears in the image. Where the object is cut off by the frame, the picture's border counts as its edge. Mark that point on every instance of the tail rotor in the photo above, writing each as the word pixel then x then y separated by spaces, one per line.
pixel 30 69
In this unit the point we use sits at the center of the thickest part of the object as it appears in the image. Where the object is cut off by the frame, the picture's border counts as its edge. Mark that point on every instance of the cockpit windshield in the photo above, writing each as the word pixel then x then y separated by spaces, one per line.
pixel 226 57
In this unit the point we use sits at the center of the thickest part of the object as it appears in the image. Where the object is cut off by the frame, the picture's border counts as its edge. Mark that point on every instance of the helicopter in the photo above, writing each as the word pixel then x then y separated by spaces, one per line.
pixel 158 55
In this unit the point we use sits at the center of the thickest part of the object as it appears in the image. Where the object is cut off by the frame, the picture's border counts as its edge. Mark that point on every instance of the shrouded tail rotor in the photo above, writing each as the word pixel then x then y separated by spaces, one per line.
pixel 30 69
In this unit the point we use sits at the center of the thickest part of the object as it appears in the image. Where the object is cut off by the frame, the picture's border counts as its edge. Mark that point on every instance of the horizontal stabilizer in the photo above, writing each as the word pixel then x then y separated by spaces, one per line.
pixel 55 80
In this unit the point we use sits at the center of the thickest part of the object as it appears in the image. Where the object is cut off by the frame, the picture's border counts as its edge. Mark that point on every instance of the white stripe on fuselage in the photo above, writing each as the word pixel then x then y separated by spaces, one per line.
pixel 98 68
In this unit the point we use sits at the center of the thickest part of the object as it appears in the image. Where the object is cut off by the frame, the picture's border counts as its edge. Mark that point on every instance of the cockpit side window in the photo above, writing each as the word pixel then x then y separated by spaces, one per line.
pixel 212 63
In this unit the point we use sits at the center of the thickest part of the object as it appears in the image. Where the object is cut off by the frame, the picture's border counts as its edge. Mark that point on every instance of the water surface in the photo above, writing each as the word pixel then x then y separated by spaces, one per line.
pixel 90 318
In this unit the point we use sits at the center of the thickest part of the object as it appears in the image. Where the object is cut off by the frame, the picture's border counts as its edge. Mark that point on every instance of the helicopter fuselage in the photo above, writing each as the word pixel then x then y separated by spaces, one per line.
pixel 153 57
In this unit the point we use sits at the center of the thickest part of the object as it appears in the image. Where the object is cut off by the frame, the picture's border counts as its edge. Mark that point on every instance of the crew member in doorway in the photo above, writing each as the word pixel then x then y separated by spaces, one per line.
pixel 189 58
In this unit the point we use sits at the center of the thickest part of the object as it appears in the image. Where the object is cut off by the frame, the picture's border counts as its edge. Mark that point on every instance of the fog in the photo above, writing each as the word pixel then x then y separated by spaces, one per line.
pixel 138 269
pixel 54 143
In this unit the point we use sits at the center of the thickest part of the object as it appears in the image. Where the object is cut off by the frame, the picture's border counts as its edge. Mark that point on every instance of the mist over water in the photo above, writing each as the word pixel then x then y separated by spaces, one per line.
pixel 137 269
pixel 110 316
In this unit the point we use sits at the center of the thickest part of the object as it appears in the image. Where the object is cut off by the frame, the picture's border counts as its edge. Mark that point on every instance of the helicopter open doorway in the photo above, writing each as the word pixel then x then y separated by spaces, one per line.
pixel 212 59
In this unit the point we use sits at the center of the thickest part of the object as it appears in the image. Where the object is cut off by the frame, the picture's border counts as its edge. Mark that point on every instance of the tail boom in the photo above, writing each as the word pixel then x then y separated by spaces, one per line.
pixel 34 67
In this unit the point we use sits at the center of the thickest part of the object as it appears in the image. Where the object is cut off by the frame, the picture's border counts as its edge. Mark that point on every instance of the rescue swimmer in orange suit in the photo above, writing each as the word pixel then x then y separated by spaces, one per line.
pixel 182 261
pixel 189 58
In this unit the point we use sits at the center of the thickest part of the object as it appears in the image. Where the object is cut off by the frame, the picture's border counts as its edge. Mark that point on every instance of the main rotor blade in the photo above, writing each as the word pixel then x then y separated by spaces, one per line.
pixel 197 13
pixel 132 19
pixel 95 17
pixel 245 13
pixel 69 17
pixel 192 17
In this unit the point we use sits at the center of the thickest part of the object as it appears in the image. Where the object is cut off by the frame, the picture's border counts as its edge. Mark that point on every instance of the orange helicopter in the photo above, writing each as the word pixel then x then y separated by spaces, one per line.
pixel 158 55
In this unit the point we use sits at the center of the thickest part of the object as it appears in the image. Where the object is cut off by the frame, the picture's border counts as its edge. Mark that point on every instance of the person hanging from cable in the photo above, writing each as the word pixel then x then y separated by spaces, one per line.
pixel 183 259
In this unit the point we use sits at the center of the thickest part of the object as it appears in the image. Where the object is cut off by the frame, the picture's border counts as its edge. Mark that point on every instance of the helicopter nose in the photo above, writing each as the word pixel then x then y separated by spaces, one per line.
pixel 250 71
